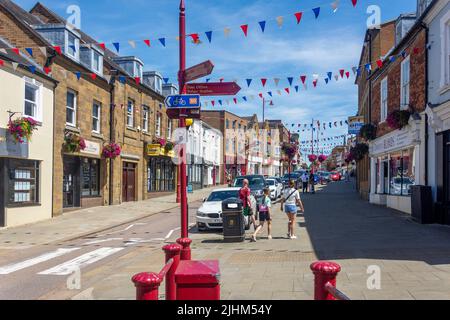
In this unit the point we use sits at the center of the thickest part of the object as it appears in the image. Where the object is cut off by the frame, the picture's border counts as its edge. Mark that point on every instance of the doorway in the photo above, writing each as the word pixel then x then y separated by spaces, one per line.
pixel 129 182
pixel 71 183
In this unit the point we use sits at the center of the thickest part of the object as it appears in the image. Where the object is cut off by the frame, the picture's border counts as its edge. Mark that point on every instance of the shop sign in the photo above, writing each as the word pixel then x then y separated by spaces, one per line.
pixel 9 147
pixel 155 150
pixel 92 148
pixel 394 141
pixel 355 124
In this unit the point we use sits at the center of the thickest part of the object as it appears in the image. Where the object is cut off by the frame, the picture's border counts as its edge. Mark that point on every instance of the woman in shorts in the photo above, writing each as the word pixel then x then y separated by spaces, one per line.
pixel 291 201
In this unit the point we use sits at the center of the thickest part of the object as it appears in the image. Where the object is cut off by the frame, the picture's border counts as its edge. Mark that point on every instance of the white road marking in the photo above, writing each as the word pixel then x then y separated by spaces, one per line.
pixel 101 241
pixel 126 229
pixel 68 267
pixel 31 262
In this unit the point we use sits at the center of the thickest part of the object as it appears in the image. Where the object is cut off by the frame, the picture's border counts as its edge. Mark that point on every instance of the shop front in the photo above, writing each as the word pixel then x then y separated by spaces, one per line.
pixel 395 168
pixel 83 178
pixel 160 169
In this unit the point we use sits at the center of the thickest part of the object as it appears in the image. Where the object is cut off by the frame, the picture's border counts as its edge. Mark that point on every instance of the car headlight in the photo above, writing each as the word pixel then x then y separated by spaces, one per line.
pixel 202 214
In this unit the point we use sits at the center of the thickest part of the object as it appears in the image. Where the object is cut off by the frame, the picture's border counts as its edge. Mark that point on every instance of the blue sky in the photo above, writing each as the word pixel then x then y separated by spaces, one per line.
pixel 330 43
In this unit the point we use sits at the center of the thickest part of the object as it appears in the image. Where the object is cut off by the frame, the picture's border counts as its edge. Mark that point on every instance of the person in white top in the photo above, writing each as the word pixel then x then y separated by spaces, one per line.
pixel 291 199
pixel 305 180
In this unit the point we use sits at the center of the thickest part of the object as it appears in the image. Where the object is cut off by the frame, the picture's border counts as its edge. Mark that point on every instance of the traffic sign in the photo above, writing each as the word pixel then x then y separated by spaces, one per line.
pixel 192 113
pixel 183 101
pixel 199 71
pixel 213 88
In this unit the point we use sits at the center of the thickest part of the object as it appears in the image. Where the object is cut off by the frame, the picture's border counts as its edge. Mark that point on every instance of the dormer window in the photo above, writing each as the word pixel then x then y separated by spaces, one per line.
pixel 62 36
pixel 132 65
pixel 92 58
pixel 72 45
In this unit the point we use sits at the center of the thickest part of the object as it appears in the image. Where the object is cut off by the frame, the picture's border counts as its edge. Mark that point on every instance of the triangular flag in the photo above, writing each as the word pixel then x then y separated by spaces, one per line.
pixel 263 81
pixel 336 77
pixel 326 80
pixel 220 102
pixel 16 51
pixel 342 73
pixel 235 100
pixel 280 20
pixel 354 70
pixel 404 54
pixel 315 83
pixel 195 38
pixel 102 45
pixel 226 32
pixel 43 51
pixel 14 65
pixel 47 70
pixel 392 59
pixel 244 28
pixel 347 74
pixel 354 2
pixel 335 5
pixel 287 90
pixel 249 81
pixel 245 98
pixel 290 80
pixel 277 81
pixel 262 24
pixel 93 76
pixel 303 78
pixel 209 35
pixel 166 80
pixel 296 88
pixel 330 75
pixel 380 63
pixel 117 46
pixel 32 69
pixel 163 41
pixel 208 80
pixel 213 103
pixel 30 51
pixel 58 49
pixel 78 74
pixel 299 15
pixel 137 80
pixel 260 95
pixel 132 44
pixel 122 79
pixel 147 42
pixel 270 93
pixel 416 50
pixel 316 12
pixel 2 63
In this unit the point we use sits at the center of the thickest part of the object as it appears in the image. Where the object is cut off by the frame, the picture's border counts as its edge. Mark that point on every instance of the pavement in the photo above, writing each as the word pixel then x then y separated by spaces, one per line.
pixel 84 222
pixel 383 254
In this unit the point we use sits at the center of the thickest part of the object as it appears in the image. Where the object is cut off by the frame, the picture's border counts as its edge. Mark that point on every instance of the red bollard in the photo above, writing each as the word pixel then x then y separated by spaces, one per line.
pixel 147 285
pixel 186 251
pixel 172 252
pixel 324 272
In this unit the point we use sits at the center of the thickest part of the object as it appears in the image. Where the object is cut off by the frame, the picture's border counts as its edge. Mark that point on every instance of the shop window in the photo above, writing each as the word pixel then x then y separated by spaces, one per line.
pixel 160 175
pixel 90 178
pixel 23 182
pixel 402 172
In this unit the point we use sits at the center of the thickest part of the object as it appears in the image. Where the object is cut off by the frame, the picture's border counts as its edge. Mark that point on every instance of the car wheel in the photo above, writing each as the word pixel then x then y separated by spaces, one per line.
pixel 201 229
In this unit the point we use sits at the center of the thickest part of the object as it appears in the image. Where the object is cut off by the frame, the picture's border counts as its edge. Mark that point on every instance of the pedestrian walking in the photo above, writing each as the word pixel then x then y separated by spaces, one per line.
pixel 290 203
pixel 347 176
pixel 312 183
pixel 264 215
pixel 305 180
pixel 244 196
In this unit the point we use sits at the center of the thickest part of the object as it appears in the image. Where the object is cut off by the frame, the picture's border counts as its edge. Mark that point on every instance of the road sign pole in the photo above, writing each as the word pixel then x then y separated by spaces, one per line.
pixel 182 124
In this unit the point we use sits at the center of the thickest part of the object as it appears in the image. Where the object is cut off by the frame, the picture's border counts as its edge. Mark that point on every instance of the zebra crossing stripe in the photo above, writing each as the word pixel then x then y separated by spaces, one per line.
pixel 69 267
pixel 33 261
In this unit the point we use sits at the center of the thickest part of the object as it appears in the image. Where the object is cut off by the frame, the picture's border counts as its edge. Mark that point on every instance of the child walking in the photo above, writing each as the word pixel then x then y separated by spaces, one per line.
pixel 264 215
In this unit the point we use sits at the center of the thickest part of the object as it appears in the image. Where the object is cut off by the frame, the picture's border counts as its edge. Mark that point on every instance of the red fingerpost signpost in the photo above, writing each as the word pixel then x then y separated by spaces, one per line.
pixel 213 88
pixel 199 71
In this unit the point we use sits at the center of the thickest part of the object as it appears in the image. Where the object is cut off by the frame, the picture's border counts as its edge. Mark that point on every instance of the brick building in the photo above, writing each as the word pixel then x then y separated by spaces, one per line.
pixel 399 84
pixel 101 98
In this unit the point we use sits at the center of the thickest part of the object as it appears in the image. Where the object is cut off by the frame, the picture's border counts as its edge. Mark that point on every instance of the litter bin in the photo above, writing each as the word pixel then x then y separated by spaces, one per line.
pixel 233 221
pixel 422 204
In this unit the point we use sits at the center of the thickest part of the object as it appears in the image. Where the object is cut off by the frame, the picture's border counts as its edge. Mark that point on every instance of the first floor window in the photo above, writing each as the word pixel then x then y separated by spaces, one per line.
pixel 96 111
pixel 90 174
pixel 169 129
pixel 145 113
pixel 130 114
pixel 158 125
pixel 405 79
pixel 31 99
pixel 23 182
pixel 384 99
pixel 71 108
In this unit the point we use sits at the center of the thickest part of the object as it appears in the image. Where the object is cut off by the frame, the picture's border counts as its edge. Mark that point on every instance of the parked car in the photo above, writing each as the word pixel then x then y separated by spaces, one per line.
pixel 209 215
pixel 288 177
pixel 257 183
pixel 279 181
pixel 336 176
pixel 325 177
pixel 275 189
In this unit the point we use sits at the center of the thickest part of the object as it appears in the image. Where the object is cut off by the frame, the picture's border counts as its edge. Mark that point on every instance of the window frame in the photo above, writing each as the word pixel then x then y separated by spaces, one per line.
pixel 384 99
pixel 74 110
pixel 130 115
pixel 158 124
pixel 99 70
pixel 404 105
pixel 169 129
pixel 38 103
pixel 98 119
pixel 20 164
pixel 92 167
pixel 145 118
pixel 75 54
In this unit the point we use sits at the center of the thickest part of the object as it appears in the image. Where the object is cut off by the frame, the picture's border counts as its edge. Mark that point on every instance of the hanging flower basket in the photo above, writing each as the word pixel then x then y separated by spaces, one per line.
pixel 290 150
pixel 322 158
pixel 398 119
pixel 312 158
pixel 74 143
pixel 349 158
pixel 359 151
pixel 168 147
pixel 160 141
pixel 111 150
pixel 22 129
pixel 368 132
